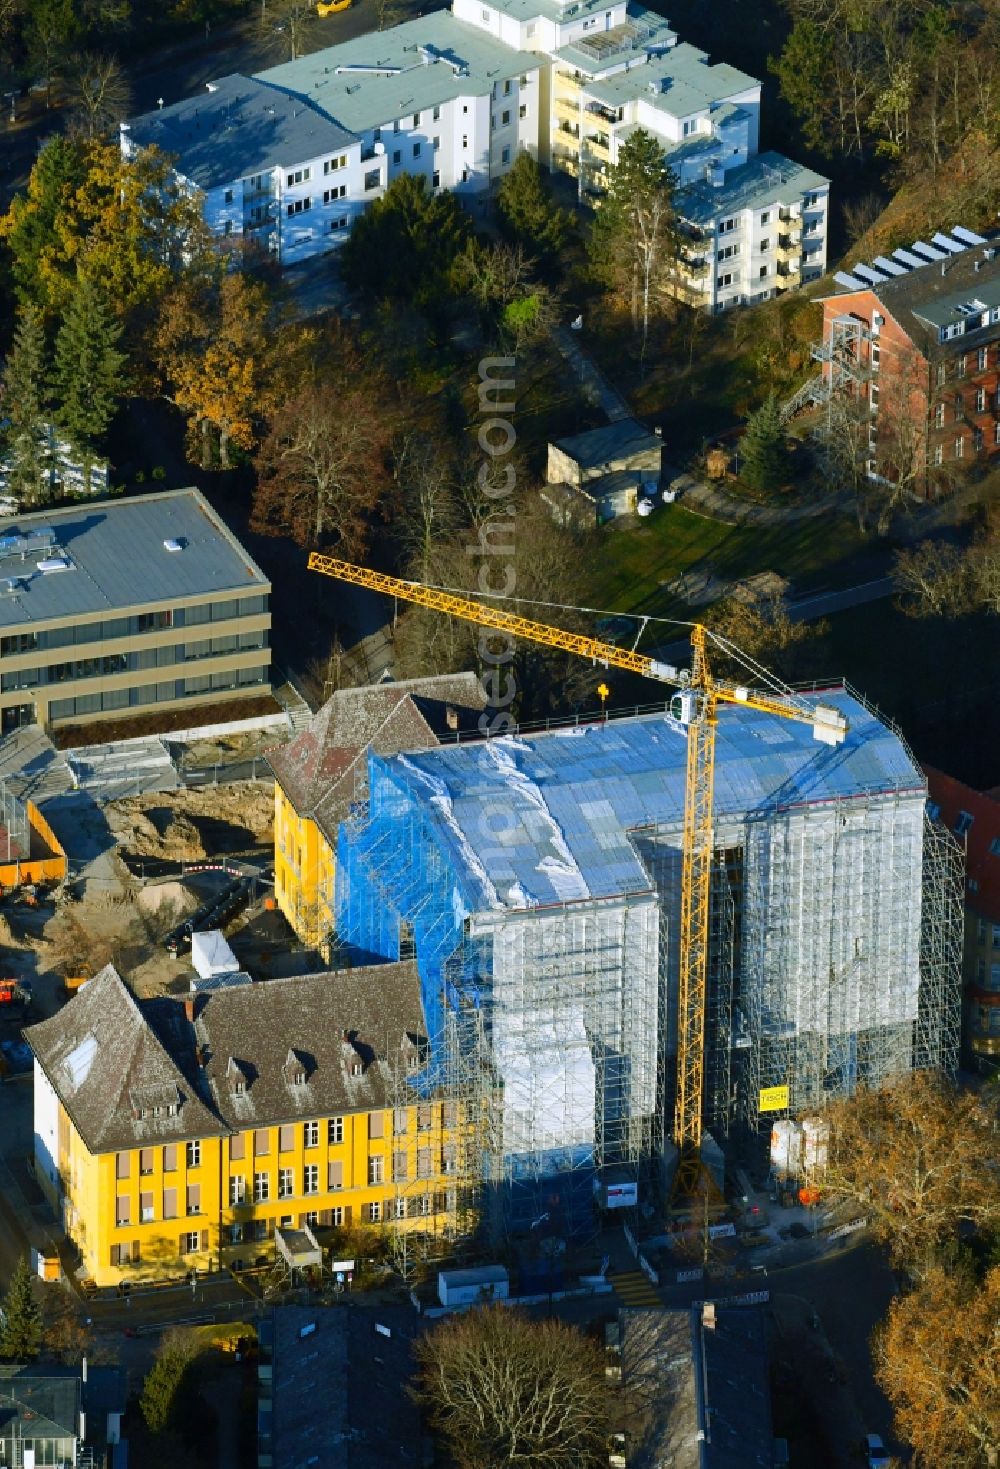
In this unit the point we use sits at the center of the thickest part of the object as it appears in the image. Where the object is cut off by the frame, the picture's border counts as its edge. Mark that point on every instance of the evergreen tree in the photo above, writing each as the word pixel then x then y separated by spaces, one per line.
pixel 633 243
pixel 404 244
pixel 30 226
pixel 763 455
pixel 21 1329
pixel 527 213
pixel 22 408
pixel 88 377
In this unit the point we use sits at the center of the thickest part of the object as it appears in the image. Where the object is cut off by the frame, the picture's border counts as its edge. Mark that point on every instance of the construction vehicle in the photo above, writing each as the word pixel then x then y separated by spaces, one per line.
pixel 695 706
pixel 331 7
pixel 13 992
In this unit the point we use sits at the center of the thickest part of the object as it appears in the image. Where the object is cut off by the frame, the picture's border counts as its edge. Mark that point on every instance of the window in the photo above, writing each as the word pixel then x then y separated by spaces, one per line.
pixel 522 112
pixel 194 1198
pixel 939 416
pixel 505 156
pixel 146 1213
pixel 983 359
pixel 237 1146
pixel 959 448
pixel 436 144
pixel 400 1165
pixel 980 400
pixel 310 1134
pixel 262 1142
pixel 286 1183
pixel 875 356
pixel 416 150
pixel 190 1243
pixel 766 217
pixel 229 196
pixel 977 441
pixel 762 273
pixel 996 936
pixel 960 365
pixel 261 1188
pixel 371 180
pixel 728 252
pixel 372 1213
pixel 145 1160
pixel 335 1174
pixel 299 206
pixel 376 1124
pixel 332 164
pixel 170 1203
pixel 237 1191
pixel 938 453
pixel 400 1208
pixel 335 1130
pixel 465 140
pixel 400 1121
pixel 123 1164
pixel 395 126
pixel 504 119
pixel 873 395
pixel 193 1155
pixel 338 193
pixel 286 1137
pixel 996 433
pixel 436 114
pixel 436 184
pixel 725 225
pixel 765 245
pixel 942 374
pixel 300 176
pixel 123 1209
pixel 416 119
pixel 376 1170
pixel 310 1179
pixel 397 157
pixel 965 820
pixel 724 281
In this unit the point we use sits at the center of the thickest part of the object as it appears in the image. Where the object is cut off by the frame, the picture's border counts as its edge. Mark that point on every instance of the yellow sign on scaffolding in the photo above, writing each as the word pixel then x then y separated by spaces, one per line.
pixel 774 1098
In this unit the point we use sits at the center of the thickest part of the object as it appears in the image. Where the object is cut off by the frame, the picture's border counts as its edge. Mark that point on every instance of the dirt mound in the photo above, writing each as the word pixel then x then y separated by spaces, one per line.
pixel 165 895
pixel 189 825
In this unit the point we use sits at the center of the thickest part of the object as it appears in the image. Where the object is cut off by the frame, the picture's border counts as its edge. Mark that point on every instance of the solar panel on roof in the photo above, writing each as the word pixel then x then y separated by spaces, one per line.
pixel 907 257
pixel 969 236
pixel 869 274
pixel 955 247
pixel 891 267
pixel 922 248
pixel 852 282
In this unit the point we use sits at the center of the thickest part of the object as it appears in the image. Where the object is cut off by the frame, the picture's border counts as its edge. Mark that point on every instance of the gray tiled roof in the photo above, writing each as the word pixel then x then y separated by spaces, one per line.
pixel 105 1052
pixel 322 770
pixel 600 446
pixel 408 68
pixel 39 1401
pixel 119 560
pixel 924 300
pixel 239 128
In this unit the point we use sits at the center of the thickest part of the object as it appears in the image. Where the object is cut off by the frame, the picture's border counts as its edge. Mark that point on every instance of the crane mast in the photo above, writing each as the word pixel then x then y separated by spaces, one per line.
pixel 697 708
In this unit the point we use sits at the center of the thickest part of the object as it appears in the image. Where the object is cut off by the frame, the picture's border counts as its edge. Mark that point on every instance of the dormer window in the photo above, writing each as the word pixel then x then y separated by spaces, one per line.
pixel 294 1069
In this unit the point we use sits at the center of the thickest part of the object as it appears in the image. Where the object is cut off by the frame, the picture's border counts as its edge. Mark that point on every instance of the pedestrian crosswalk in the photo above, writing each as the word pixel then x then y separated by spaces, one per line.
pixel 633 1289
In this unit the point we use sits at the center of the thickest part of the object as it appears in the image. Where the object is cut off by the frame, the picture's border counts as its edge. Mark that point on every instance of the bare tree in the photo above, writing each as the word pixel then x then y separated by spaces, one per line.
pixel 502 1390
pixel 295 20
pixel 935 579
pixel 99 93
pixel 429 511
pixel 921 1159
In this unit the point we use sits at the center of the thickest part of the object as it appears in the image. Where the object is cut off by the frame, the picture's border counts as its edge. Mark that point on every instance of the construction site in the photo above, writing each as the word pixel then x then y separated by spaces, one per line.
pixel 641 941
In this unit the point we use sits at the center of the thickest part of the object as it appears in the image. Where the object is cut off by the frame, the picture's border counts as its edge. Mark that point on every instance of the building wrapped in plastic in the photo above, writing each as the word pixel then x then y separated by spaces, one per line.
pixel 537 877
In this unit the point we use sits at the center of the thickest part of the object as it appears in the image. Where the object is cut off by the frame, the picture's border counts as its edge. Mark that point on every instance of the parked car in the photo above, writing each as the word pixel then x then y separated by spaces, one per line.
pixel 878 1454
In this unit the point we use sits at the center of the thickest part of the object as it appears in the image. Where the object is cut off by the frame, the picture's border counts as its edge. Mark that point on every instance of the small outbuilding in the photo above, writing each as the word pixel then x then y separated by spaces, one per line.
pixel 211 955
pixel 458 1288
pixel 603 473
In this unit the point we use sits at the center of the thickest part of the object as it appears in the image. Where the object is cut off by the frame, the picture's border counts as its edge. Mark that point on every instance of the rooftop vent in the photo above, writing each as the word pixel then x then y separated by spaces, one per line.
pixel 173 544
pixel 50 564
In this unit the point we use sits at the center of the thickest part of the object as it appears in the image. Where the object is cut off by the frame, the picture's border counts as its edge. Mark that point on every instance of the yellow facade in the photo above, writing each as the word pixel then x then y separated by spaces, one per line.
pixel 303 872
pixel 213 1203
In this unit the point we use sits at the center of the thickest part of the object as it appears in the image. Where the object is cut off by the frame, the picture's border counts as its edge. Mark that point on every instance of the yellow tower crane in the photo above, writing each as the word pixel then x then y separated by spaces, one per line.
pixel 696 706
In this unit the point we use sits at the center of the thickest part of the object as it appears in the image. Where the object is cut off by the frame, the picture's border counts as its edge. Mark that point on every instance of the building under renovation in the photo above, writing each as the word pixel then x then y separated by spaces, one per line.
pixel 537 881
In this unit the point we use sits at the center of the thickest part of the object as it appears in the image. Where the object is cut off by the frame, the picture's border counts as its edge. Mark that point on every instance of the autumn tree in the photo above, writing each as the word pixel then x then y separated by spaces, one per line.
pixel 633 242
pixel 920 1159
pixel 755 620
pixel 23 407
pixel 939 579
pixel 404 245
pixel 160 1391
pixel 213 346
pixel 28 228
pixel 938 1362
pixel 89 371
pixel 21 1331
pixel 503 1390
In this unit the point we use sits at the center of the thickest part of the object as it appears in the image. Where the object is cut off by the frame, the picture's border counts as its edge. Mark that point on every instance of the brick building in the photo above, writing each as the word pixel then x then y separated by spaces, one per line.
pixel 915 338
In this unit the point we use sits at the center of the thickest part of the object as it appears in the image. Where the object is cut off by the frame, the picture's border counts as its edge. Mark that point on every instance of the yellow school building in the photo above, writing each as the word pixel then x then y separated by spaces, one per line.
pixel 176 1135
pixel 321 777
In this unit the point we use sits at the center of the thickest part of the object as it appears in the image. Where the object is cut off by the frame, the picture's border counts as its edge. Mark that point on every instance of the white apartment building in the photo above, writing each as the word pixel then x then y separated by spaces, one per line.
pixel 293 155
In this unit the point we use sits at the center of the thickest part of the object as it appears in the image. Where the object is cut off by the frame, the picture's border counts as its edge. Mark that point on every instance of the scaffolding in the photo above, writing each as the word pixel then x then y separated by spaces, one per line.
pixel 835 943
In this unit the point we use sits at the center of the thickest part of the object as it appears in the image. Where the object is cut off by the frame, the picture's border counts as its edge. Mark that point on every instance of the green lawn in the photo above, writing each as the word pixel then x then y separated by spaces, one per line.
pixel 638 556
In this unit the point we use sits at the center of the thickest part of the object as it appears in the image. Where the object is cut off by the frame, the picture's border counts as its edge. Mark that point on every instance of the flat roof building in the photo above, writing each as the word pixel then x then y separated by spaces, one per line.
pixel 127 607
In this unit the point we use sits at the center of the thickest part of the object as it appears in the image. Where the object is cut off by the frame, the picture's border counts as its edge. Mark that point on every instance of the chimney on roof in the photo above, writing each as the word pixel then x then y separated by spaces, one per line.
pixel 189 1007
pixel 708 1315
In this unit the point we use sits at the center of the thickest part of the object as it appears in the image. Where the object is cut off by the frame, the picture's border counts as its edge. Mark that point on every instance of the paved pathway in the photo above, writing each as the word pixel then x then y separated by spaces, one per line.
pixel 718 504
pixel 592 381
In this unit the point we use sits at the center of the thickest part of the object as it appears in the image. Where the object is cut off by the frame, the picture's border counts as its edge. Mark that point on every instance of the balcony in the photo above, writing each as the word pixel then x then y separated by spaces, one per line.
pixel 567 108
pixel 606 114
pixel 569 81
pixel 792 222
pixel 598 146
